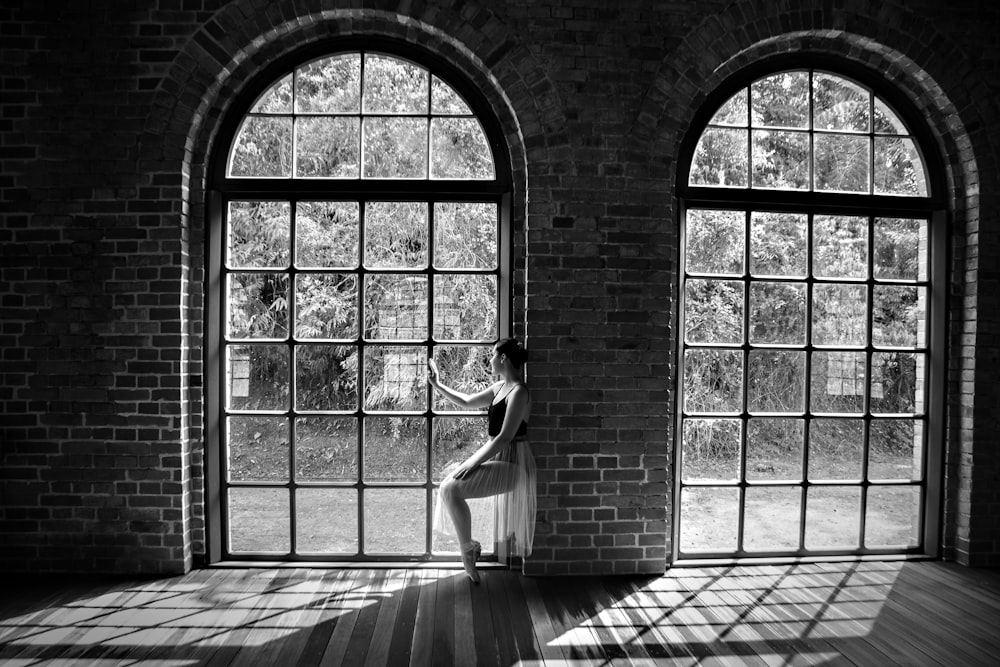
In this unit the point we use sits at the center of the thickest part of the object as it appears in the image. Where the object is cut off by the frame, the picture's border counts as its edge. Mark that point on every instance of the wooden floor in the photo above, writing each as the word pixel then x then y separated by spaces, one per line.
pixel 872 613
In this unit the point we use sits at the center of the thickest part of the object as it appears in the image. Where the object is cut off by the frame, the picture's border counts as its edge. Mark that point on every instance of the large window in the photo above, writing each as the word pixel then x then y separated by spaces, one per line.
pixel 360 226
pixel 810 323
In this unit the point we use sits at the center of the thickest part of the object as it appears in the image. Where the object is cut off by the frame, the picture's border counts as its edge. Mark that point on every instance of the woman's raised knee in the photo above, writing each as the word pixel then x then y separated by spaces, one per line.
pixel 449 490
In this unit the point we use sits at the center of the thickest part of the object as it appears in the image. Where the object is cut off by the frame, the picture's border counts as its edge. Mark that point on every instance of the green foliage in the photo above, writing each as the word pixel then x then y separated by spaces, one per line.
pixel 804 132
pixel 329 85
pixel 717 313
pixel 330 139
pixel 799 136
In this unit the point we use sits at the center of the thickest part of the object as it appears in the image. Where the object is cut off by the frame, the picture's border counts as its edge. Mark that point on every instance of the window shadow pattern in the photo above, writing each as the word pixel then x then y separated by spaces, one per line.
pixel 861 613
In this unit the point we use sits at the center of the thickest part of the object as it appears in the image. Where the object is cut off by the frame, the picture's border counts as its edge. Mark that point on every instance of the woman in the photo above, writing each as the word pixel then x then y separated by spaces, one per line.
pixel 502 468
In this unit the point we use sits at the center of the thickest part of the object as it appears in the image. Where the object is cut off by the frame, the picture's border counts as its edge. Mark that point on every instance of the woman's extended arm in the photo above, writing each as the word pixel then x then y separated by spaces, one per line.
pixel 479 400
pixel 517 412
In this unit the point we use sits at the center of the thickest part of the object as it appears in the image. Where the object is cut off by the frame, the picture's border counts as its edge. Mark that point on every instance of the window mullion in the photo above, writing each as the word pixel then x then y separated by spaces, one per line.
pixel 292 306
pixel 807 422
pixel 741 488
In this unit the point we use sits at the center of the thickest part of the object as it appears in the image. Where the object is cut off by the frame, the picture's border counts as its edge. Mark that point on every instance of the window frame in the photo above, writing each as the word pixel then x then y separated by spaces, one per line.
pixel 222 189
pixel 931 207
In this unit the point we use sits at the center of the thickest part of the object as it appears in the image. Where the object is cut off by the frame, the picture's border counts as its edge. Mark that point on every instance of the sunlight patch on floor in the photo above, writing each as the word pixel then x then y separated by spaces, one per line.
pixel 253 613
pixel 721 607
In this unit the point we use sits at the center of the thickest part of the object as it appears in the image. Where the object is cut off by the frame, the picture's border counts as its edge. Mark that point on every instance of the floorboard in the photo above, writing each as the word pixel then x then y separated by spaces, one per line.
pixel 861 614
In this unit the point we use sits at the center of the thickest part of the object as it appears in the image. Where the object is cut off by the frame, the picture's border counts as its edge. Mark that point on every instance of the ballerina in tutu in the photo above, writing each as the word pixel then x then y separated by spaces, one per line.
pixel 502 469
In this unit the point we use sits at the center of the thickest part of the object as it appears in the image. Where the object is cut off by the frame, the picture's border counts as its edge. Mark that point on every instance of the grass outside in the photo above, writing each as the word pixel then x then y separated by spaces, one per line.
pixel 772 514
pixel 395 514
pixel 395 518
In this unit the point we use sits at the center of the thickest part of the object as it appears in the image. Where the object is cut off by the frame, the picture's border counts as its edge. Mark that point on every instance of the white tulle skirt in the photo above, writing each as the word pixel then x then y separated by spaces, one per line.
pixel 510 513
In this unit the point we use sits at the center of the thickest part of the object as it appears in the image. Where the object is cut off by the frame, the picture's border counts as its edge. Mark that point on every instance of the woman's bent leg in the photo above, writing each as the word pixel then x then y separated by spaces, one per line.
pixel 489 479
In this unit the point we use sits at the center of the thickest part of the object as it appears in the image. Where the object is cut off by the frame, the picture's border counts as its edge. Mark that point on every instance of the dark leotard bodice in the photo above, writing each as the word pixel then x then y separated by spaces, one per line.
pixel 497 411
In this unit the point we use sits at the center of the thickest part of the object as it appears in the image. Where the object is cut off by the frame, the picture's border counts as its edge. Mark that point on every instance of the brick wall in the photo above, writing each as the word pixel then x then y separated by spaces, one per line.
pixel 108 114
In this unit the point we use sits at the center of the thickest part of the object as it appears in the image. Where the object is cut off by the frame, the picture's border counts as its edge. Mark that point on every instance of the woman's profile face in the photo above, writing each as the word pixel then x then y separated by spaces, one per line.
pixel 495 364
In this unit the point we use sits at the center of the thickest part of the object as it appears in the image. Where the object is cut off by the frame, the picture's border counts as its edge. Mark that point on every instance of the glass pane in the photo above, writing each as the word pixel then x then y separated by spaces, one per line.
pixel 774 449
pixel 892 517
pixel 838 382
pixel 395 307
pixel 395 234
pixel 395 449
pixel 733 112
pixel 326 234
pixel 276 99
pixel 257 304
pixel 777 381
pixel 780 160
pixel 326 521
pixel 395 147
pixel 394 86
pixel 900 249
pixel 465 307
pixel 761 506
pixel 326 449
pixel 841 162
pixel 898 383
pixel 259 520
pixel 714 241
pixel 886 120
pixel 709 519
pixel 713 311
pixel 396 378
pixel 326 377
pixel 464 367
pixel 263 147
pixel 482 513
pixel 781 100
pixel 778 244
pixel 327 147
pixel 839 104
pixel 395 521
pixel 444 99
pixel 833 517
pixel 896 448
pixel 836 449
pixel 840 314
pixel 257 377
pixel 258 234
pixel 459 149
pixel 899 169
pixel 329 85
pixel 713 380
pixel 326 305
pixel 455 439
pixel 899 315
pixel 711 449
pixel 840 246
pixel 465 235
pixel 257 449
pixel 778 313
pixel 720 159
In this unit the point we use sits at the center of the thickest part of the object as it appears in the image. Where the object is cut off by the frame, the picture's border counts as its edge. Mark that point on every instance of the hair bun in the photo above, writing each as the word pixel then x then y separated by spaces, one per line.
pixel 514 350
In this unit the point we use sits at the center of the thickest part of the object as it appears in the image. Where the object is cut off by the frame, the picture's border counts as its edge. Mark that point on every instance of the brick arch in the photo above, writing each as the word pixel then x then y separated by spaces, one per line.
pixel 227 52
pixel 234 44
pixel 926 74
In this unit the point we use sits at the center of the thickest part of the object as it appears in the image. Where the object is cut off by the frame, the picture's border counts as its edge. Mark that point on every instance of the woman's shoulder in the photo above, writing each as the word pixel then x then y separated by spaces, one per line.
pixel 520 389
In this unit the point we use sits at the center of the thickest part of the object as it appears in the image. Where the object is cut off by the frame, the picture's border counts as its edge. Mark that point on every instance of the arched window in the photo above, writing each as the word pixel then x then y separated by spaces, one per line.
pixel 359 226
pixel 811 319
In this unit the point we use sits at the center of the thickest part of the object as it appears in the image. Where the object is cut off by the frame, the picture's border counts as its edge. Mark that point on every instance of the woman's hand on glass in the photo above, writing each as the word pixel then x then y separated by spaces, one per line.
pixel 432 372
